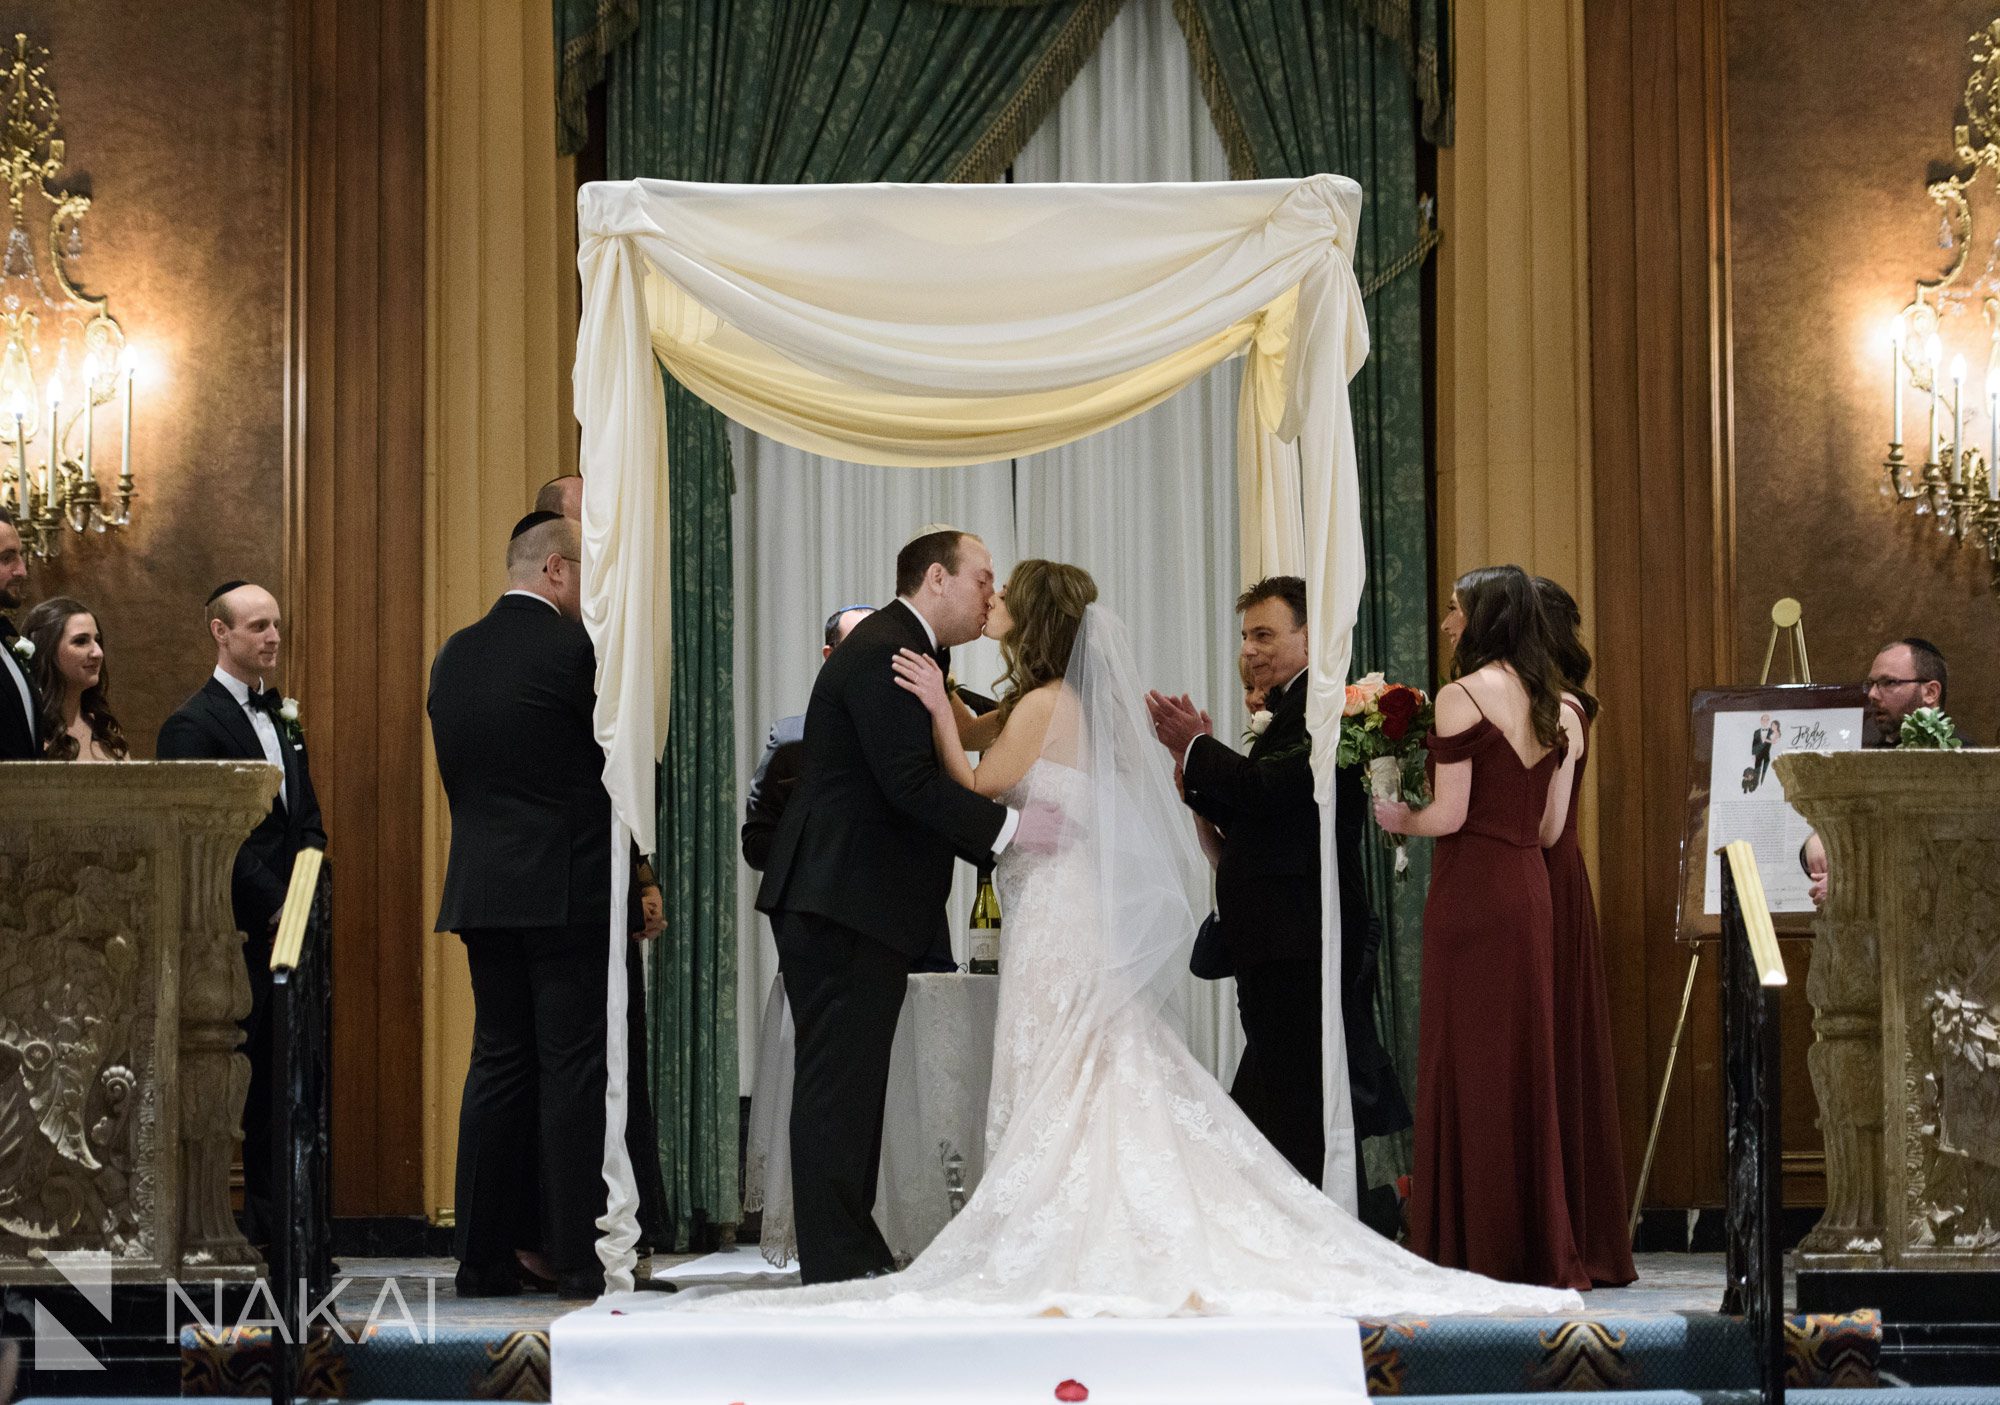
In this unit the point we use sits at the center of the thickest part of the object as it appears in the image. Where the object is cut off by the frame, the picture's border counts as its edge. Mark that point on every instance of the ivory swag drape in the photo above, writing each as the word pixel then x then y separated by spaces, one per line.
pixel 937 325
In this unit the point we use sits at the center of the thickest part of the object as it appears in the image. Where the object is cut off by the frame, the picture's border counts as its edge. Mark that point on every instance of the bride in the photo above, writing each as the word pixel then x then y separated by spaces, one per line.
pixel 1121 1180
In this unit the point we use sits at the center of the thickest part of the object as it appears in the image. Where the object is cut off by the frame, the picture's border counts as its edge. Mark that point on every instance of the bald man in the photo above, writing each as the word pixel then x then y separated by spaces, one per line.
pixel 238 716
pixel 562 495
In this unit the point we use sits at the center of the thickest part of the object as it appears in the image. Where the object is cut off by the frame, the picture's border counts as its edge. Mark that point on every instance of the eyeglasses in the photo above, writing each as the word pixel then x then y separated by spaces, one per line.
pixel 1883 685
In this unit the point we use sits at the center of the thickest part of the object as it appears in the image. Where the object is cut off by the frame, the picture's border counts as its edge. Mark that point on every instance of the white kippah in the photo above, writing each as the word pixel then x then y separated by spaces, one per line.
pixel 930 527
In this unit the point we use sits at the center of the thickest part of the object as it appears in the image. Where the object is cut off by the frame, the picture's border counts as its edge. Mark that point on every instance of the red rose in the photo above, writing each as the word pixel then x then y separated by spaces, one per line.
pixel 1072 1391
pixel 1398 706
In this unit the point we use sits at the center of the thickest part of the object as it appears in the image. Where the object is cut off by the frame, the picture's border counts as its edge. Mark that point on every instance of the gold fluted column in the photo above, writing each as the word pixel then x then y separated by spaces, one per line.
pixel 501 256
pixel 1514 477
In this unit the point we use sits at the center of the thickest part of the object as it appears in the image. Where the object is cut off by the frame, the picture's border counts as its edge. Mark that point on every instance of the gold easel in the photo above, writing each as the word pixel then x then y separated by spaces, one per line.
pixel 1788 619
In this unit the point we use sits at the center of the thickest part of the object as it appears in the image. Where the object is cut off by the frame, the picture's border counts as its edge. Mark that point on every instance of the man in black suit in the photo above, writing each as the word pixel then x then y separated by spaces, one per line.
pixel 235 717
pixel 856 883
pixel 528 890
pixel 1267 888
pixel 19 739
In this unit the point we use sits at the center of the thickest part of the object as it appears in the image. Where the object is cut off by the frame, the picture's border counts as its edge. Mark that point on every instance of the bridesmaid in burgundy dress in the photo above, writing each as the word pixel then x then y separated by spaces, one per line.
pixel 1586 1089
pixel 1487 1186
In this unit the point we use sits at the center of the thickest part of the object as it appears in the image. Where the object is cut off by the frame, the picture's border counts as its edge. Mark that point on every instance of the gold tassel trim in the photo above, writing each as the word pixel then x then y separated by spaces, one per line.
pixel 1045 84
pixel 1207 72
pixel 582 68
pixel 1392 19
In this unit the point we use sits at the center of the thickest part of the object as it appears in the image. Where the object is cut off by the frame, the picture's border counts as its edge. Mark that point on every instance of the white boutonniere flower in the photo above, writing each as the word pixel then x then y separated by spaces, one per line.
pixel 288 718
pixel 1260 722
pixel 23 647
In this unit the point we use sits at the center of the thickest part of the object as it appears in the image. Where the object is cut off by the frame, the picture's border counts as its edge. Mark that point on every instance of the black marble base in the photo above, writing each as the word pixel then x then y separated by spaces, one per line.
pixel 1903 1296
pixel 70 1348
pixel 1939 1327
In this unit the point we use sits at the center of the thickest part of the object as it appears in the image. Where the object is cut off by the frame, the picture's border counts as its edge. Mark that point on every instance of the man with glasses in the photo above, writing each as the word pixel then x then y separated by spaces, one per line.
pixel 1907 675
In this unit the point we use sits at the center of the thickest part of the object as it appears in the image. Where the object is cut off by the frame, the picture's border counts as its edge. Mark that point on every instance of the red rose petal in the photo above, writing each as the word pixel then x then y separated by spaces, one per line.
pixel 1072 1391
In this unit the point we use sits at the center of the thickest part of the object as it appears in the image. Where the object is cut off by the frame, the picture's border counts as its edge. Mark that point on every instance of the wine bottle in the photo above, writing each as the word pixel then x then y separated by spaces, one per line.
pixel 983 931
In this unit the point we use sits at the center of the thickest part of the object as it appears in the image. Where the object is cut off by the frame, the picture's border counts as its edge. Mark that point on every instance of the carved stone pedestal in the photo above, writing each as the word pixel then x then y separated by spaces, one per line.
pixel 121 981
pixel 1905 988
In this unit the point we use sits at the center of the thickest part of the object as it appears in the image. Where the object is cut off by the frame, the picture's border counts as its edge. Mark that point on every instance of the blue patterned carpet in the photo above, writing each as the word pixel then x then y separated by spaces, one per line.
pixel 1661 1335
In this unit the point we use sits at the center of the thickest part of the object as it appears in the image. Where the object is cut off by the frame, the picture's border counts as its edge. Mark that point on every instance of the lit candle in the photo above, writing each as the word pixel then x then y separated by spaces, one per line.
pixel 1993 435
pixel 1957 419
pixel 1931 353
pixel 54 460
pixel 125 443
pixel 89 410
pixel 21 450
pixel 1896 381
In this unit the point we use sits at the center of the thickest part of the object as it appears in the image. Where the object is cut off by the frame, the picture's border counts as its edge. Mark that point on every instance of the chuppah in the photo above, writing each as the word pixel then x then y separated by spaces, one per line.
pixel 938 325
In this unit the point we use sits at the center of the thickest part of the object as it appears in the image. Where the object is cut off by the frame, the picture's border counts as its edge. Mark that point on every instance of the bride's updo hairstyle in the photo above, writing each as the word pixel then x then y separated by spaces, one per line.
pixel 1045 601
pixel 1504 624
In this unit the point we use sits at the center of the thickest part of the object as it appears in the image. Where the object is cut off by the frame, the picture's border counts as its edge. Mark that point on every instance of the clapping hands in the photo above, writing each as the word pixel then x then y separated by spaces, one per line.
pixel 1177 722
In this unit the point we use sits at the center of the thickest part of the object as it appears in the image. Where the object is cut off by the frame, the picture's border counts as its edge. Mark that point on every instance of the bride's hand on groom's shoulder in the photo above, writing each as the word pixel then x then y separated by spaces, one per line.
pixel 918 673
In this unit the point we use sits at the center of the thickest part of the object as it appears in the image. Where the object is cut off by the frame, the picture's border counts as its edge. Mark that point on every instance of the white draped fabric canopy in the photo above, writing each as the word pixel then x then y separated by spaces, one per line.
pixel 936 325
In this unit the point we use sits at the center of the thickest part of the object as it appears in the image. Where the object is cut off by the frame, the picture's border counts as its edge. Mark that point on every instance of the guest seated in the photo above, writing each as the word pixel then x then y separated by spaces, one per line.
pixel 72 684
pixel 1907 675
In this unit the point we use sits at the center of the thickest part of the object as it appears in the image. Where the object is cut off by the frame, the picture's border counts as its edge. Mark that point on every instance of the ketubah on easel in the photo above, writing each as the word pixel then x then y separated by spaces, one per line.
pixel 1692 926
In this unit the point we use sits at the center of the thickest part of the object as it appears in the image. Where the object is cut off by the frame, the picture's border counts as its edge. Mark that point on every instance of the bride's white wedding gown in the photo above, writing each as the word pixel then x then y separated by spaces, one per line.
pixel 1121 1180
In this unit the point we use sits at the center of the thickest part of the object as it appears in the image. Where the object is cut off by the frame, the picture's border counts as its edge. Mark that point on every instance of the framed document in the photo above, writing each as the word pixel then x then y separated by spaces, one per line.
pixel 1733 736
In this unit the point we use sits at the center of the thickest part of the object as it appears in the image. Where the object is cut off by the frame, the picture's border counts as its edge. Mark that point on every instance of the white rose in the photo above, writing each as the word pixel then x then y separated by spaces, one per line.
pixel 289 709
pixel 24 648
pixel 1259 721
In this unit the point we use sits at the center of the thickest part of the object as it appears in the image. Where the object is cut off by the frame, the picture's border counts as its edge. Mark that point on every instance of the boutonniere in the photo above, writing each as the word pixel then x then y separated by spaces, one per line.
pixel 288 718
pixel 23 647
pixel 1260 722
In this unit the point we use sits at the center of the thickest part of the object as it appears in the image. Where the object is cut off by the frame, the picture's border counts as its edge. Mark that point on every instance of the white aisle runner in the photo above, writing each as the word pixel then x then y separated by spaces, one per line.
pixel 630 1349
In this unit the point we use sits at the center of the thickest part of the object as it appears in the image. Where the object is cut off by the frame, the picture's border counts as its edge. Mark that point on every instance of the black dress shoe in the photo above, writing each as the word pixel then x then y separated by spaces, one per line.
pixel 487 1281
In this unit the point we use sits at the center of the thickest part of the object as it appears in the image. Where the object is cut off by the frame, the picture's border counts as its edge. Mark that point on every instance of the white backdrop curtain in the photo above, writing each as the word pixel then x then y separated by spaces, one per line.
pixel 1148 507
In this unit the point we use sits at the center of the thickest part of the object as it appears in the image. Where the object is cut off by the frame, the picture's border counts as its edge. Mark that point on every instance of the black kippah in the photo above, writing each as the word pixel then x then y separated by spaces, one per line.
pixel 222 590
pixel 534 520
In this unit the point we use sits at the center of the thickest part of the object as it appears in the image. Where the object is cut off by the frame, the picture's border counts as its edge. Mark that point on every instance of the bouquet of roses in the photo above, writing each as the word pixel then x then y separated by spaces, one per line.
pixel 1382 728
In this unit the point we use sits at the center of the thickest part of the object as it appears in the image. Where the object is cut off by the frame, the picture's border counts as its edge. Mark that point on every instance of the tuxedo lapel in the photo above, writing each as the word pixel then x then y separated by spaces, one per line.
pixel 1287 710
pixel 235 724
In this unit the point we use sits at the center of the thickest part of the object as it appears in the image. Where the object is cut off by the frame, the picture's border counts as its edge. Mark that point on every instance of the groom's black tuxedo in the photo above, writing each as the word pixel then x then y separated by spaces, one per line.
pixel 1267 902
pixel 869 833
pixel 856 883
pixel 18 739
pixel 213 726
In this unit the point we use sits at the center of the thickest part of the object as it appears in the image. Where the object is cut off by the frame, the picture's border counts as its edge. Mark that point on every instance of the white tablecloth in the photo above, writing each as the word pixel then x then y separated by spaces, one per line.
pixel 939 1073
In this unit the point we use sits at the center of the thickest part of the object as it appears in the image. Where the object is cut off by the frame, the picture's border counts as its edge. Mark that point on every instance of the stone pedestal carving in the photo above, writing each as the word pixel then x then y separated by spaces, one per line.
pixel 1905 988
pixel 121 981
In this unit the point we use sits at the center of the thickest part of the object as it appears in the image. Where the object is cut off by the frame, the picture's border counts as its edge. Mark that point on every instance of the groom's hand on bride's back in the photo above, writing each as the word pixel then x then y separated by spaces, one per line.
pixel 1042 829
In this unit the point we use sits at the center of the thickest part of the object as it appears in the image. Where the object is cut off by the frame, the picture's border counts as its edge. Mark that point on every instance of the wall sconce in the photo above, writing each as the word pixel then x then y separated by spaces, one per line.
pixel 64 355
pixel 1956 483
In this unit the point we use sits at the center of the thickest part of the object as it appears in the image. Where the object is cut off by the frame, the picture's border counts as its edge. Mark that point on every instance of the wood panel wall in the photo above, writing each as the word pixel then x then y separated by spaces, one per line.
pixel 355 434
pixel 1659 437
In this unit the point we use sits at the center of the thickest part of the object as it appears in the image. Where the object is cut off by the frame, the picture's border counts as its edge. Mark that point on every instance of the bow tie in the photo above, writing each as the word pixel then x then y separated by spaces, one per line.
pixel 265 700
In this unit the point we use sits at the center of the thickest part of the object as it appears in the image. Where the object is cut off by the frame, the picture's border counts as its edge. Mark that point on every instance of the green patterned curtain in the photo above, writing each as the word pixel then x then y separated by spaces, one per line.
pixel 1298 87
pixel 779 91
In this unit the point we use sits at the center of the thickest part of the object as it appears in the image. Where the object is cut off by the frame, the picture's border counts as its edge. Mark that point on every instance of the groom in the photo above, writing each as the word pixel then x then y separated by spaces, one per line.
pixel 856 886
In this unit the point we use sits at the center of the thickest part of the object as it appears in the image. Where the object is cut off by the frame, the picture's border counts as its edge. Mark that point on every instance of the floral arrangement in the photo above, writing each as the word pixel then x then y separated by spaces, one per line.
pixel 24 648
pixel 1382 727
pixel 1929 729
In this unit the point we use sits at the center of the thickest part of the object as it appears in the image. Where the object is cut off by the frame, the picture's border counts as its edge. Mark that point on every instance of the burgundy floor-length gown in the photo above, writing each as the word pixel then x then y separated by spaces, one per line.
pixel 1586 1088
pixel 1487 1188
